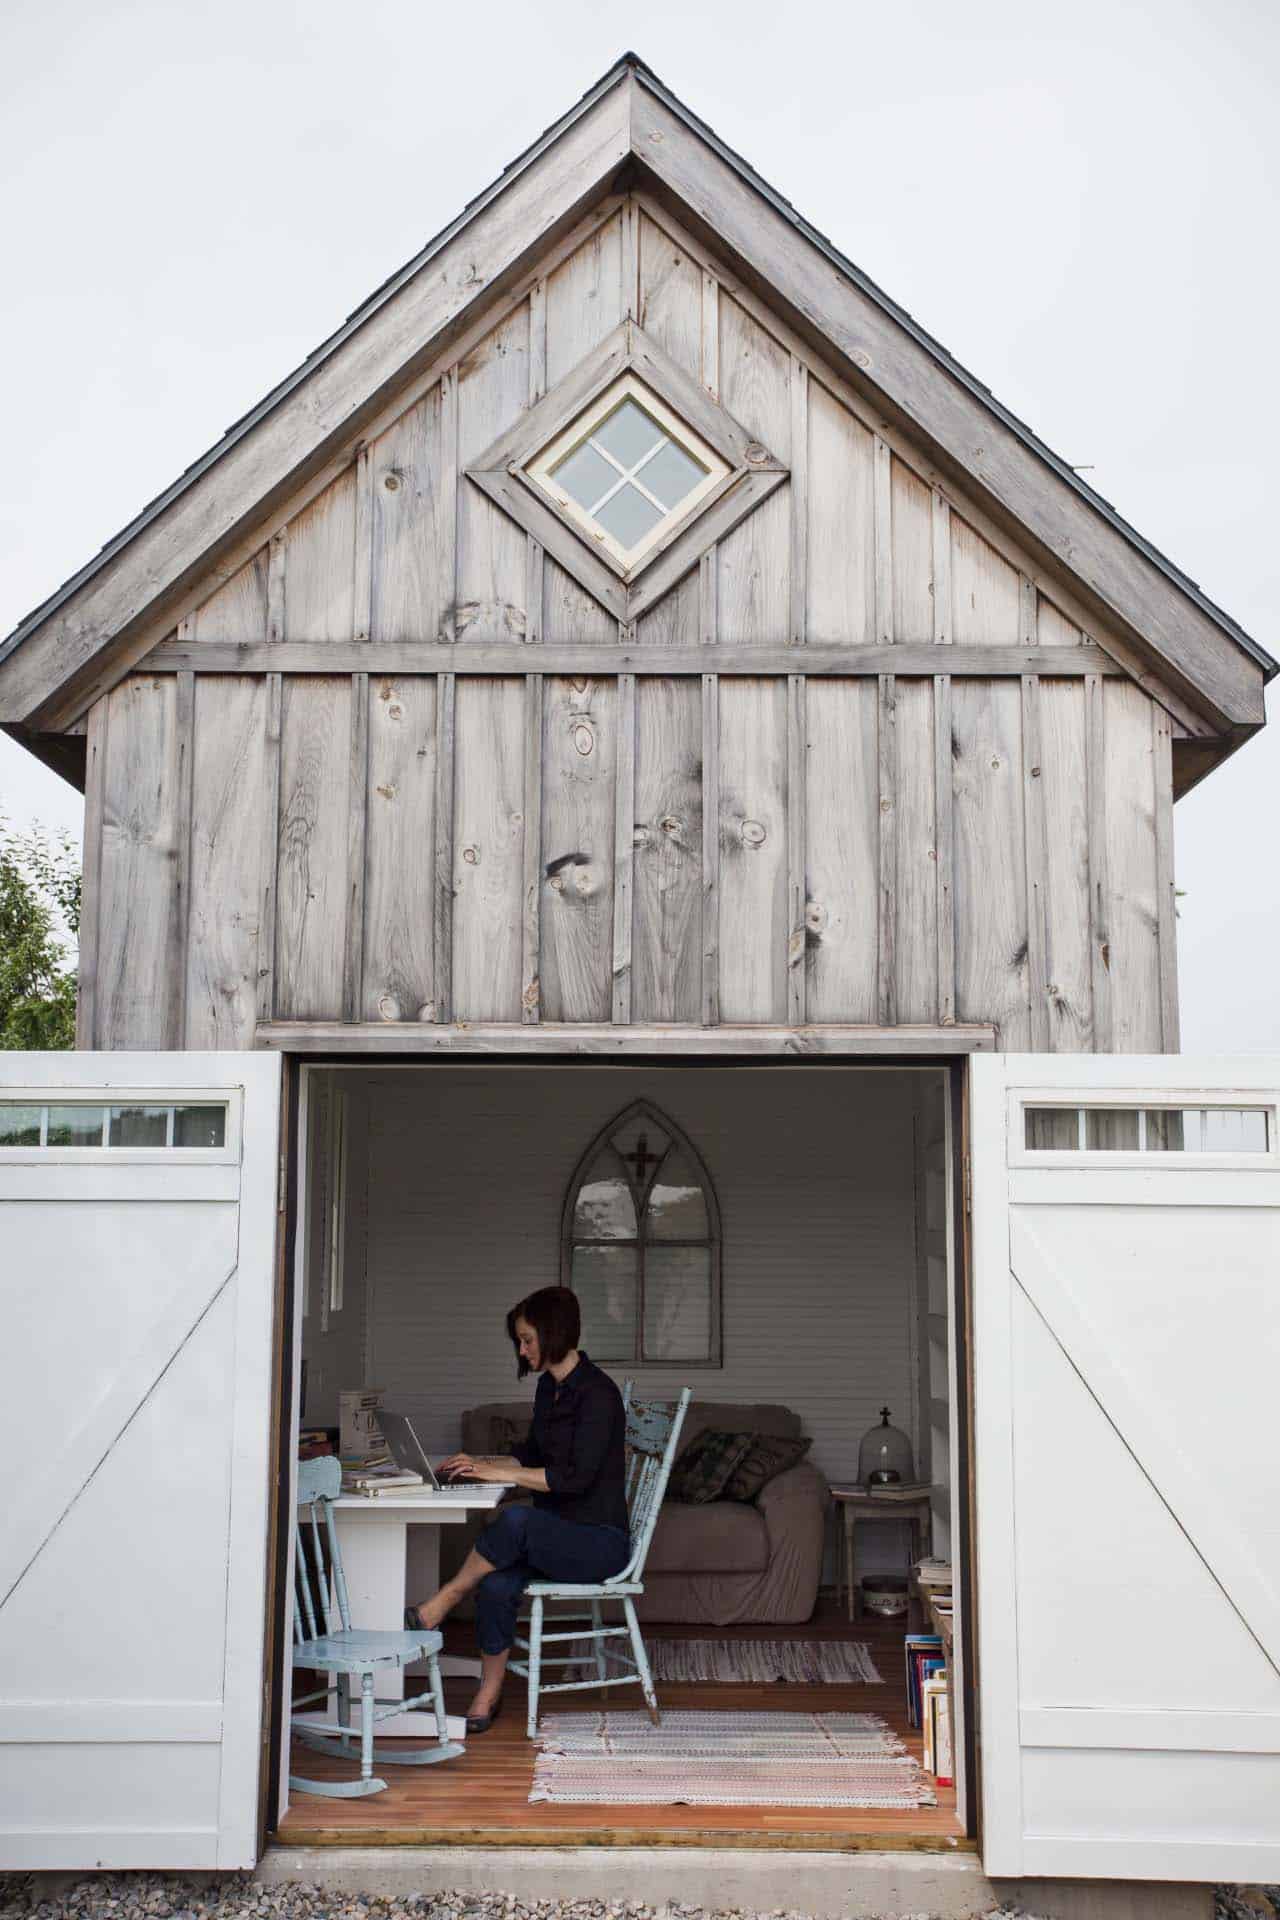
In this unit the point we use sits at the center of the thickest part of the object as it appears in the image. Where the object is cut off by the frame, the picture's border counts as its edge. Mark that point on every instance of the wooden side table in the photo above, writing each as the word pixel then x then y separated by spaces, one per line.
pixel 858 1503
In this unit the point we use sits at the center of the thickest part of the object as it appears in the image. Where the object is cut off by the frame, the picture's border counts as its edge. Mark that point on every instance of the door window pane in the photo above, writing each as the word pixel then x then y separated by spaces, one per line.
pixel 677 1207
pixel 75 1126
pixel 677 1303
pixel 19 1126
pixel 199 1126
pixel 139 1127
pixel 605 1280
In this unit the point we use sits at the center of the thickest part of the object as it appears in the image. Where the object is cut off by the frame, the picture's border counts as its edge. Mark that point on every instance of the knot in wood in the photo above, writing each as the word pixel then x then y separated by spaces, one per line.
pixel 815 916
pixel 395 711
pixel 389 1007
pixel 640 835
pixel 391 482
pixel 753 834
pixel 583 739
pixel 995 766
pixel 472 856
pixel 427 1012
pixel 673 828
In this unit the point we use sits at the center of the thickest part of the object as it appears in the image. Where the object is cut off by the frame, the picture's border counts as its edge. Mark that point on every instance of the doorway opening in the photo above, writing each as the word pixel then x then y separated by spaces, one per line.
pixel 808 1284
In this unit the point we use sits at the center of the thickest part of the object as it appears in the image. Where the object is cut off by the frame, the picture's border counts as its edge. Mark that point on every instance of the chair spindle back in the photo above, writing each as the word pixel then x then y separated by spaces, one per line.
pixel 318 1578
pixel 653 1439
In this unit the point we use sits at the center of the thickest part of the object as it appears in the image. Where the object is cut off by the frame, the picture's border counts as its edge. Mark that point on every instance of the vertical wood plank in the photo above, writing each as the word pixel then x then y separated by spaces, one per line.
pixel 709 598
pixel 447 533
pixel 493 391
pixel 1028 612
pixel 1166 896
pixel 842 853
pixel 1099 891
pixel 711 334
pixel 411 488
pixel 941 569
pixel 753 851
pixel 624 841
pixel 990 862
pixel 269 852
pixel 1063 756
pixel 986 607
pixel 320 554
pixel 710 850
pixel 882 511
pixel 1133 922
pixel 915 939
pixel 91 882
pixel 399 957
pixel 238 608
pixel 579 750
pixel 357 835
pixel 585 299
pixel 534 592
pixel 314 859
pixel 442 919
pixel 139 821
pixel 943 756
pixel 796 931
pixel 362 611
pixel 530 960
pixel 841 556
pixel 887 737
pixel 231 860
pixel 537 341
pixel 276 563
pixel 671 298
pixel 185 723
pixel 630 223
pixel 799 485
pixel 488 864
pixel 914 608
pixel 666 950
pixel 1035 854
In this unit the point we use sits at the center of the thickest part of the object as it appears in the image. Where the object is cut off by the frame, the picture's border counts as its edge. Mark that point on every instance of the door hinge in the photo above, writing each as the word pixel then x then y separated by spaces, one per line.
pixel 968 1184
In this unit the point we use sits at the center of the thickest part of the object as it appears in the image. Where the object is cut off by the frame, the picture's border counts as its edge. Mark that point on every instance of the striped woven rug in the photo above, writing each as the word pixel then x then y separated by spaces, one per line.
pixel 726 1760
pixel 800 1662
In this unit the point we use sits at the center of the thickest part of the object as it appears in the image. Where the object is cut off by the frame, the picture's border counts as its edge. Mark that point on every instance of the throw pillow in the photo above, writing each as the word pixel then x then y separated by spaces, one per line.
pixel 505 1434
pixel 767 1456
pixel 703 1470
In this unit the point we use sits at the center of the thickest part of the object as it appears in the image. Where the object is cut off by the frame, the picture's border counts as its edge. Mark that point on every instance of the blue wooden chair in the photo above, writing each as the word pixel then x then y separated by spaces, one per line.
pixel 653 1439
pixel 351 1652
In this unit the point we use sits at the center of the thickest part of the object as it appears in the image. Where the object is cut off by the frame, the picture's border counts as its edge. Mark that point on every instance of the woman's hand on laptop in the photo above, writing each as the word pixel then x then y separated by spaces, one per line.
pixel 465 1466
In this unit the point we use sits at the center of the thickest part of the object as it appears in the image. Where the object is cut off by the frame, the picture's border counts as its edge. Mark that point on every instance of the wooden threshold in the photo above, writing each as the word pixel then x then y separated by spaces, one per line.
pixel 623 1042
pixel 483 1799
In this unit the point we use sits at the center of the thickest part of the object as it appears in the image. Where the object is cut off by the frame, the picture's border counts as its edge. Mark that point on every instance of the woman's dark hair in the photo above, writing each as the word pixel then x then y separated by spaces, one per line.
pixel 554 1315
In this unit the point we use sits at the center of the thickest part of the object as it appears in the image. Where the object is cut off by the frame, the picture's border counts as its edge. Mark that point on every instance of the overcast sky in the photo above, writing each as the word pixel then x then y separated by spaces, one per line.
pixel 1080 203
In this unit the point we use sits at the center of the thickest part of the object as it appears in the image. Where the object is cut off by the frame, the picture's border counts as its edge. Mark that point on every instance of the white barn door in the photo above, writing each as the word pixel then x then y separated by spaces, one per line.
pixel 137 1254
pixel 1126 1345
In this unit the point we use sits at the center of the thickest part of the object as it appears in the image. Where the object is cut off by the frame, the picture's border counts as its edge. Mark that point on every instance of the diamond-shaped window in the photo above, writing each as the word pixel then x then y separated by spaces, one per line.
pixel 627 470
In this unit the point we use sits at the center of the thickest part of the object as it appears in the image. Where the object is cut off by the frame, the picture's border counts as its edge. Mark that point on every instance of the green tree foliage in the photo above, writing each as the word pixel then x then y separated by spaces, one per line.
pixel 39 921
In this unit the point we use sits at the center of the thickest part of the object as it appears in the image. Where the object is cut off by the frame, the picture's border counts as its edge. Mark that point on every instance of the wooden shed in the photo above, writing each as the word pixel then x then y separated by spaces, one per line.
pixel 631 639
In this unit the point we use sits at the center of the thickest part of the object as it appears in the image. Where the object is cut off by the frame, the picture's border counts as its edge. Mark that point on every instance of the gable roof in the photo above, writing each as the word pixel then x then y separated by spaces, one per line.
pixel 106 616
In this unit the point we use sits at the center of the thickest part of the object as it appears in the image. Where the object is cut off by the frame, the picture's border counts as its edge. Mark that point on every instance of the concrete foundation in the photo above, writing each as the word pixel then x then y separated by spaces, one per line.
pixel 833 1886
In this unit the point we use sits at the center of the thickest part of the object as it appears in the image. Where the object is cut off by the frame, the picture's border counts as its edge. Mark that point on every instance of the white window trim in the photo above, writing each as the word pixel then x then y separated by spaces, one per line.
pixel 228 1154
pixel 584 425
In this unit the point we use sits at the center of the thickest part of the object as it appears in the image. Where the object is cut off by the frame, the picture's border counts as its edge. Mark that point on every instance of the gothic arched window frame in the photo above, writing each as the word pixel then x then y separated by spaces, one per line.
pixel 641 1182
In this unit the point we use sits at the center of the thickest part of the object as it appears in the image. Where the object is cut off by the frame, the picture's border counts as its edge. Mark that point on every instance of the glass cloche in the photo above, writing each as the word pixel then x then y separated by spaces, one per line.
pixel 884 1458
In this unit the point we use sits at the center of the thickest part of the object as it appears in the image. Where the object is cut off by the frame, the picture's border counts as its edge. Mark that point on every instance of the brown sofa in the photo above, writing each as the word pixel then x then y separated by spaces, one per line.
pixel 729 1561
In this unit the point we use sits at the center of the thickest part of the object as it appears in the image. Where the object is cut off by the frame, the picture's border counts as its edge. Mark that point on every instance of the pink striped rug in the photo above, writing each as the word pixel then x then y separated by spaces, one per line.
pixel 726 1760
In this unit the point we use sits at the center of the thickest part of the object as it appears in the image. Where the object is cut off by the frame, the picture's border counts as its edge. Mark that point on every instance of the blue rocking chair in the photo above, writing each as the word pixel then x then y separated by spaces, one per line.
pixel 351 1652
pixel 653 1438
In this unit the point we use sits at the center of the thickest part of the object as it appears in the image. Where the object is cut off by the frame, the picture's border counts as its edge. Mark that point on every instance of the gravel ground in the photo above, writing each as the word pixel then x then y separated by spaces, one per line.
pixel 153 1896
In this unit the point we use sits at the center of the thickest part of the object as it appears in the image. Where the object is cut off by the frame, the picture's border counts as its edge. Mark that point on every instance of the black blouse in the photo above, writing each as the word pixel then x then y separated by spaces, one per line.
pixel 578 1436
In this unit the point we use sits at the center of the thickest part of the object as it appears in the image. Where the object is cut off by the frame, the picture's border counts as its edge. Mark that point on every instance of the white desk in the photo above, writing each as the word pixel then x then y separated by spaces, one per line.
pixel 390 1549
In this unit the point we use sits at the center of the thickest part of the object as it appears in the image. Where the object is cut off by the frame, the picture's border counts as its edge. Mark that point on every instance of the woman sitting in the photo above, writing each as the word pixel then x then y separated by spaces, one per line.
pixel 573 1462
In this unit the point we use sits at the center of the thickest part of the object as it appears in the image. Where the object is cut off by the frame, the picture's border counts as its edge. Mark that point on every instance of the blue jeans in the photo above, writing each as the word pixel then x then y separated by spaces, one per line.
pixel 527 1543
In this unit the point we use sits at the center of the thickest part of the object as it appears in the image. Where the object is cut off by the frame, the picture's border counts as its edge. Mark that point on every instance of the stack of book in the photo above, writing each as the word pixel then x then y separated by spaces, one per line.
pixel 936 1713
pixel 924 1658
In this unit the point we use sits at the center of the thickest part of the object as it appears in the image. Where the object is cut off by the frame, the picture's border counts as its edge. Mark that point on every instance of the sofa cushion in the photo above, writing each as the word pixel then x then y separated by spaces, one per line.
pixel 768 1455
pixel 725 1537
pixel 704 1469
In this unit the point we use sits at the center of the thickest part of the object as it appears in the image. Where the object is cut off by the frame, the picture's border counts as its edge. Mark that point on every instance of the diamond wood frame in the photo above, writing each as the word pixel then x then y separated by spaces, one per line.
pixel 752 474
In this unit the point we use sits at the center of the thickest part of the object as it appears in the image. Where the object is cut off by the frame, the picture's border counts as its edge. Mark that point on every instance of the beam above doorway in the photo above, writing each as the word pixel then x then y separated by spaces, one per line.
pixel 550 1039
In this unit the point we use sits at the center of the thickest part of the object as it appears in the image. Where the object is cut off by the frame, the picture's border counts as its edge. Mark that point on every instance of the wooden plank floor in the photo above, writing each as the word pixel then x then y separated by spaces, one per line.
pixel 483 1798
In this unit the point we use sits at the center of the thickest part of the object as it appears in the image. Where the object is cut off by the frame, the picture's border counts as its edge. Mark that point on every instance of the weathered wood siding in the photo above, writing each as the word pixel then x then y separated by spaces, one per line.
pixel 547 816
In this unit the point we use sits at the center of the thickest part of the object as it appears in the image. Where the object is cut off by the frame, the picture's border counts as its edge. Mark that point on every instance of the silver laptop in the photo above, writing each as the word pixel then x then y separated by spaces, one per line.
pixel 408 1452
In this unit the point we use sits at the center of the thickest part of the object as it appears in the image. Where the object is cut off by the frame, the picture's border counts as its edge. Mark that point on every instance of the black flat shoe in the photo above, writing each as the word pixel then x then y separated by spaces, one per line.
pixel 481 1722
pixel 412 1622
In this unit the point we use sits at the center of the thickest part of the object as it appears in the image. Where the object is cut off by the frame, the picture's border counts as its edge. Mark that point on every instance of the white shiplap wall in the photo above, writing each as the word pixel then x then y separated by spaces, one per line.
pixel 814 1167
